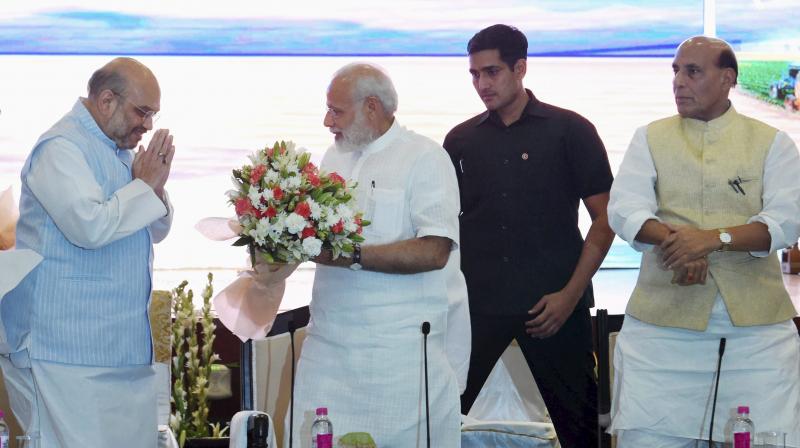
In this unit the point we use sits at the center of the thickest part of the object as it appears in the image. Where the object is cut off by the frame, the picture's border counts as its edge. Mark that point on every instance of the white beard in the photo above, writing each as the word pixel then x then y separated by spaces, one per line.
pixel 357 136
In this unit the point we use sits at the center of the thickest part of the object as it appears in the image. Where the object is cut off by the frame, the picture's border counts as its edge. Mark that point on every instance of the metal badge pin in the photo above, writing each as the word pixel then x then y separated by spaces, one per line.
pixel 524 156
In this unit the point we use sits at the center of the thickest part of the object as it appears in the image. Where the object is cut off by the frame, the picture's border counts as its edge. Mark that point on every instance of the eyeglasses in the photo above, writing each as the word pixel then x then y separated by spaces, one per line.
pixel 143 114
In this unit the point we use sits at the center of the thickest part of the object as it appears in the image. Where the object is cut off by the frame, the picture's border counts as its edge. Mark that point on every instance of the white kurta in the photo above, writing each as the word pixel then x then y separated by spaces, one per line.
pixel 363 353
pixel 664 376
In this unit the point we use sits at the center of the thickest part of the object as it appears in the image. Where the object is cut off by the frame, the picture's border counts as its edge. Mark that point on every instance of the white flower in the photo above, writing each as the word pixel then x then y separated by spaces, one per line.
pixel 316 209
pixel 312 246
pixel 272 176
pixel 259 234
pixel 277 228
pixel 295 223
pixel 344 212
pixel 255 197
pixel 291 183
pixel 330 218
pixel 350 226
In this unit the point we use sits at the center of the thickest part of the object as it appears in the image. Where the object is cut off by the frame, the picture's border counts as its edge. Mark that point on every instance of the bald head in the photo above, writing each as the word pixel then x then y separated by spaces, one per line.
pixel 717 49
pixel 365 80
pixel 119 76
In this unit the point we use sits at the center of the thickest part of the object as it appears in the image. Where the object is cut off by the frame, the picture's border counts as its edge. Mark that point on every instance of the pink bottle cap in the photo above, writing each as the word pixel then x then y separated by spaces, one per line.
pixel 322 411
pixel 743 409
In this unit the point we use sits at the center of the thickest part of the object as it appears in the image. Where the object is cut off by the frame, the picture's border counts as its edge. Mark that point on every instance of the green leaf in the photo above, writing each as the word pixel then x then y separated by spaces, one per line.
pixel 243 241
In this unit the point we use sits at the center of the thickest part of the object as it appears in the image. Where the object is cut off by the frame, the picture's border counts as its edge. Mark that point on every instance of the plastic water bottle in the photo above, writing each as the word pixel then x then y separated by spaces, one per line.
pixel 322 430
pixel 4 443
pixel 743 428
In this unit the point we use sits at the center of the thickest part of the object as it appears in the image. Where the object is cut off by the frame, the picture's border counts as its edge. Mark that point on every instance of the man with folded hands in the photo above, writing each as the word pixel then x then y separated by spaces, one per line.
pixel 78 367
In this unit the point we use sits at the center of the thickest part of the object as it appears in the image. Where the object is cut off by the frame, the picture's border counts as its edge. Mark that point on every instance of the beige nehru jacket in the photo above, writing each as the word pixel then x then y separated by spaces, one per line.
pixel 694 162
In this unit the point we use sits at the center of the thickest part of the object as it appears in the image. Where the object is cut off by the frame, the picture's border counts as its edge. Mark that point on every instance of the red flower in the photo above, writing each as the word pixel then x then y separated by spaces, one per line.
pixel 357 220
pixel 338 227
pixel 244 207
pixel 277 193
pixel 257 174
pixel 337 179
pixel 271 212
pixel 308 232
pixel 313 179
pixel 309 169
pixel 303 209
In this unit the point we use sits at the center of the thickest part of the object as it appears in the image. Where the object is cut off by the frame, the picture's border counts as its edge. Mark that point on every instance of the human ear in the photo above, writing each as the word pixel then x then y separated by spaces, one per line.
pixel 521 67
pixel 106 101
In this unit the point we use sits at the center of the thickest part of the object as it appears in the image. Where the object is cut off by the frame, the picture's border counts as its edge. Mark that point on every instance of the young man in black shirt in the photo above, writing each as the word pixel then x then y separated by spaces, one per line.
pixel 523 167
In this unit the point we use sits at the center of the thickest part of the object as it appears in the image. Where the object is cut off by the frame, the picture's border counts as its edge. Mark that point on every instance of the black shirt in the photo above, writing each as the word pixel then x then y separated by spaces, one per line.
pixel 520 188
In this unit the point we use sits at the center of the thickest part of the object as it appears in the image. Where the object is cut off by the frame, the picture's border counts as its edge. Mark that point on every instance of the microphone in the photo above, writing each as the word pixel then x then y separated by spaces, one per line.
pixel 716 387
pixel 426 328
pixel 291 328
pixel 258 431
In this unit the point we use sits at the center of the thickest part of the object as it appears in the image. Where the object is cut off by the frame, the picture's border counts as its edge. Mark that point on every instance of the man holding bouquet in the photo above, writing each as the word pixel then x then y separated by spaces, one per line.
pixel 363 353
pixel 79 365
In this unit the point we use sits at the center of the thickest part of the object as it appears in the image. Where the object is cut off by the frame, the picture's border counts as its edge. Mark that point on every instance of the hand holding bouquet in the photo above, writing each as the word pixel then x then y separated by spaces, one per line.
pixel 287 211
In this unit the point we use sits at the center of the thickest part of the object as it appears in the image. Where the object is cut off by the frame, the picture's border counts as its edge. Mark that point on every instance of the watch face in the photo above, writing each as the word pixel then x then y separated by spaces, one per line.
pixel 725 237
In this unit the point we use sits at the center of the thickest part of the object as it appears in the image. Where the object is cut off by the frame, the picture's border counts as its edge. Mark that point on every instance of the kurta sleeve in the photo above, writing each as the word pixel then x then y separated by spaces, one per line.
pixel 63 183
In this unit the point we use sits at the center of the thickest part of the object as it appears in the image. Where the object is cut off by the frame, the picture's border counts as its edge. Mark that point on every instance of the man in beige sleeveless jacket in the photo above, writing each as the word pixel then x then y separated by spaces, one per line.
pixel 708 196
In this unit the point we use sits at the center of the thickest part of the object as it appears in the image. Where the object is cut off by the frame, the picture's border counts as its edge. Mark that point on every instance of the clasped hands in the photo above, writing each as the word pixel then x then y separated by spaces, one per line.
pixel 152 165
pixel 684 251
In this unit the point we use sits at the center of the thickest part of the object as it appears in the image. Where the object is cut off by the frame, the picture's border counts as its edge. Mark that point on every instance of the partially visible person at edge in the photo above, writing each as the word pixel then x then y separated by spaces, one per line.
pixel 363 353
pixel 78 359
pixel 523 167
pixel 708 195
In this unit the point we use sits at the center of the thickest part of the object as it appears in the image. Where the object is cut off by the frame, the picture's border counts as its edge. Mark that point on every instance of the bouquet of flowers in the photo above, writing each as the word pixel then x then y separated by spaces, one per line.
pixel 288 210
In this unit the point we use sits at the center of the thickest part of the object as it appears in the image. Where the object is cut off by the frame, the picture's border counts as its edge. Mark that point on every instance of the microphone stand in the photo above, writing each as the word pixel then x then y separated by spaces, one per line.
pixel 716 388
pixel 290 325
pixel 426 328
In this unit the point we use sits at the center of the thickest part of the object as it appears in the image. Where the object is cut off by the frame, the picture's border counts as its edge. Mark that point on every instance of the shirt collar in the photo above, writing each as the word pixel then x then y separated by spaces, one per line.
pixel 87 121
pixel 716 124
pixel 384 140
pixel 534 108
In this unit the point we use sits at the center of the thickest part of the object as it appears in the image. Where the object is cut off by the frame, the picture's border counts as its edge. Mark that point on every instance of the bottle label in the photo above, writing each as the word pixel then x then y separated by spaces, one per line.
pixel 4 441
pixel 326 441
pixel 741 440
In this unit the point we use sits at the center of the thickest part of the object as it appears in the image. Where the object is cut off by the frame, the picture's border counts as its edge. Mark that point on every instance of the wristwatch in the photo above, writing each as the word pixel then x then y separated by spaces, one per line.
pixel 356 265
pixel 725 238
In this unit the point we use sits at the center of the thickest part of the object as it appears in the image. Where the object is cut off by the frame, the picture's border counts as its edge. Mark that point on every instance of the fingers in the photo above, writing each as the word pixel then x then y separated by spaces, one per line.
pixel 170 155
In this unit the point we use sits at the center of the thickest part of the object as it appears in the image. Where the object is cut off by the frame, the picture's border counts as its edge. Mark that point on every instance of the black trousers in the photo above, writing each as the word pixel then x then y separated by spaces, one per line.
pixel 562 365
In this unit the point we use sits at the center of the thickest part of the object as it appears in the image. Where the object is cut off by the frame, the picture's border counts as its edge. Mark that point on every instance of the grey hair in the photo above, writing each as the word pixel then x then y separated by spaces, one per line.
pixel 370 80
pixel 107 79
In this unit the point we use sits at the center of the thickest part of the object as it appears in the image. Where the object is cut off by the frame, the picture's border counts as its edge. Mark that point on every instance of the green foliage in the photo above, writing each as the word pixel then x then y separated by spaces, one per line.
pixel 756 77
pixel 191 363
